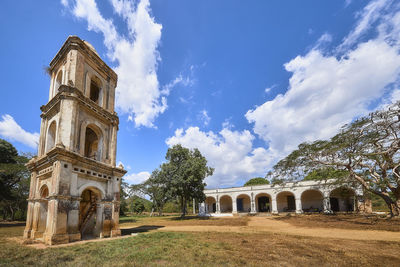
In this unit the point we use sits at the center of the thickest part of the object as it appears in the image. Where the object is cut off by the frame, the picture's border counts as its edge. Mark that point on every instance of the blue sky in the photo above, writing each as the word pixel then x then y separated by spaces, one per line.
pixel 243 81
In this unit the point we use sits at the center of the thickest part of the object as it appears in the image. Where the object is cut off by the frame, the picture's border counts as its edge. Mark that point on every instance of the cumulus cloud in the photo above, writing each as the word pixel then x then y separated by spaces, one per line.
pixel 10 130
pixel 327 91
pixel 138 92
pixel 136 178
pixel 231 153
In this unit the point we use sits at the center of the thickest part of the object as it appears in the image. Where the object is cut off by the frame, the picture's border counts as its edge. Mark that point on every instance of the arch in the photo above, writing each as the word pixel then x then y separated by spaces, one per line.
pixel 210 204
pixel 263 202
pixel 342 199
pixel 51 136
pixel 225 203
pixel 92 186
pixel 286 202
pixel 89 220
pixel 312 200
pixel 44 191
pixel 243 203
pixel 95 91
pixel 42 210
pixel 93 142
pixel 57 82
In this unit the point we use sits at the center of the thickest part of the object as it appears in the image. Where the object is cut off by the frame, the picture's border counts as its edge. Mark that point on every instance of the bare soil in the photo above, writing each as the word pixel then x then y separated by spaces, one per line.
pixel 343 221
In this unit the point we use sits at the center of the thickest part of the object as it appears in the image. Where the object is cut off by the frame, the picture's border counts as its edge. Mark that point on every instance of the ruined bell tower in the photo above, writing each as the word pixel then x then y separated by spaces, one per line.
pixel 75 183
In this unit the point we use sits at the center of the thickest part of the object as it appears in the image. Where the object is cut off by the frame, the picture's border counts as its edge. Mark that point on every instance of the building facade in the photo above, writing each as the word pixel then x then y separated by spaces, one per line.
pixel 306 196
pixel 75 183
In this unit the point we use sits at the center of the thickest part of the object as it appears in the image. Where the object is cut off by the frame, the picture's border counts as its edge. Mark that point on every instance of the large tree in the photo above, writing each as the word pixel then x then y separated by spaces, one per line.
pixel 368 150
pixel 14 181
pixel 156 187
pixel 256 181
pixel 185 171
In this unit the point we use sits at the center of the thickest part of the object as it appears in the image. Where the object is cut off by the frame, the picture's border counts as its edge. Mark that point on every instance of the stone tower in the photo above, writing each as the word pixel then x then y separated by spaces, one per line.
pixel 75 184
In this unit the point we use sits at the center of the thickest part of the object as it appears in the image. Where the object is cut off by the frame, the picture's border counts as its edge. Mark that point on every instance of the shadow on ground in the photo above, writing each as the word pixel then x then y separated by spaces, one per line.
pixel 140 229
pixel 11 224
pixel 193 217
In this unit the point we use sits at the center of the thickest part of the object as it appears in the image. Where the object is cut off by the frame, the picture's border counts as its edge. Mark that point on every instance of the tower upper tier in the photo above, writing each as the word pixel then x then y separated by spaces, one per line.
pixel 77 64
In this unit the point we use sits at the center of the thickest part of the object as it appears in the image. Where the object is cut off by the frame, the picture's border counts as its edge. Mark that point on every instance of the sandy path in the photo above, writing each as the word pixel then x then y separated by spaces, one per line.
pixel 265 224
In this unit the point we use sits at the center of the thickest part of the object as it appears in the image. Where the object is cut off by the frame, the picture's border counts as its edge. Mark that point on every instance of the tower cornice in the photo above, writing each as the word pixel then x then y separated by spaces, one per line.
pixel 74 42
pixel 70 92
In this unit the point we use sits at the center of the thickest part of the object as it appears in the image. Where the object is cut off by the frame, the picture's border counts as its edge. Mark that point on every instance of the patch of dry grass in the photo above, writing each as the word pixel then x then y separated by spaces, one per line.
pixel 343 221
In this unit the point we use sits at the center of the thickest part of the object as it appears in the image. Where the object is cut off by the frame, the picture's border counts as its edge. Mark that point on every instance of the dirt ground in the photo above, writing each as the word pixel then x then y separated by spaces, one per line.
pixel 344 221
pixel 322 226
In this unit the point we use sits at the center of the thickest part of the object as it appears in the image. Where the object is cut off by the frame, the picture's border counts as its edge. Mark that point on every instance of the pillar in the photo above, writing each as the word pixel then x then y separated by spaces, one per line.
pixel 56 232
pixel 218 210
pixel 73 221
pixel 234 205
pixel 274 205
pixel 327 203
pixel 194 206
pixel 115 231
pixel 299 208
pixel 29 219
pixel 35 220
pixel 252 203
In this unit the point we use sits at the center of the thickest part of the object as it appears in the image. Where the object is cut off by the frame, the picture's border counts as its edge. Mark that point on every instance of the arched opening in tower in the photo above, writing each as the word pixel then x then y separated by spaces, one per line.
pixel 42 216
pixel 89 222
pixel 95 89
pixel 51 136
pixel 91 144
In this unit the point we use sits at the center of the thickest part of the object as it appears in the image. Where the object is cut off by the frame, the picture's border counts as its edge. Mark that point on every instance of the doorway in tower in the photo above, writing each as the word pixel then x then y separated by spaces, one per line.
pixel 90 223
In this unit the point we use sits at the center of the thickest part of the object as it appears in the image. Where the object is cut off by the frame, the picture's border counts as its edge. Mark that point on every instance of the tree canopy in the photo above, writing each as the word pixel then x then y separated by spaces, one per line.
pixel 14 181
pixel 368 150
pixel 181 177
pixel 256 181
pixel 185 171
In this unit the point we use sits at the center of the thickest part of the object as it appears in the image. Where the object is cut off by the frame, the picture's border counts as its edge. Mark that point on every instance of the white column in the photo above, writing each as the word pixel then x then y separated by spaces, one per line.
pixel 274 205
pixel 194 206
pixel 327 203
pixel 253 204
pixel 298 205
pixel 234 205
pixel 218 207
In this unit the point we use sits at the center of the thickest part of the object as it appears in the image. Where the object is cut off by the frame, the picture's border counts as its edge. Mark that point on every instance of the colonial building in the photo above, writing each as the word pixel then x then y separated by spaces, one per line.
pixel 75 183
pixel 306 196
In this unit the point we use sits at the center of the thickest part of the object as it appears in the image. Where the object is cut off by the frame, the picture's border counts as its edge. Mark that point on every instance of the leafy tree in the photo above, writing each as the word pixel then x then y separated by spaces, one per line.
pixel 137 205
pixel 185 171
pixel 256 181
pixel 368 149
pixel 326 173
pixel 14 181
pixel 156 188
pixel 123 198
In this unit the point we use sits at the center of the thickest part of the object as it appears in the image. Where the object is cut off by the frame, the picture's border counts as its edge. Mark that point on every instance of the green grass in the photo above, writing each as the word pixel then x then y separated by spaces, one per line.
pixel 200 249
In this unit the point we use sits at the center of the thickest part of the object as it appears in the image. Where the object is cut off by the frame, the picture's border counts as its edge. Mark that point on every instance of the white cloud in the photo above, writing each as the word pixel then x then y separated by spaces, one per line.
pixel 138 93
pixel 10 130
pixel 370 14
pixel 268 89
pixel 231 153
pixel 327 91
pixel 187 81
pixel 203 116
pixel 136 178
